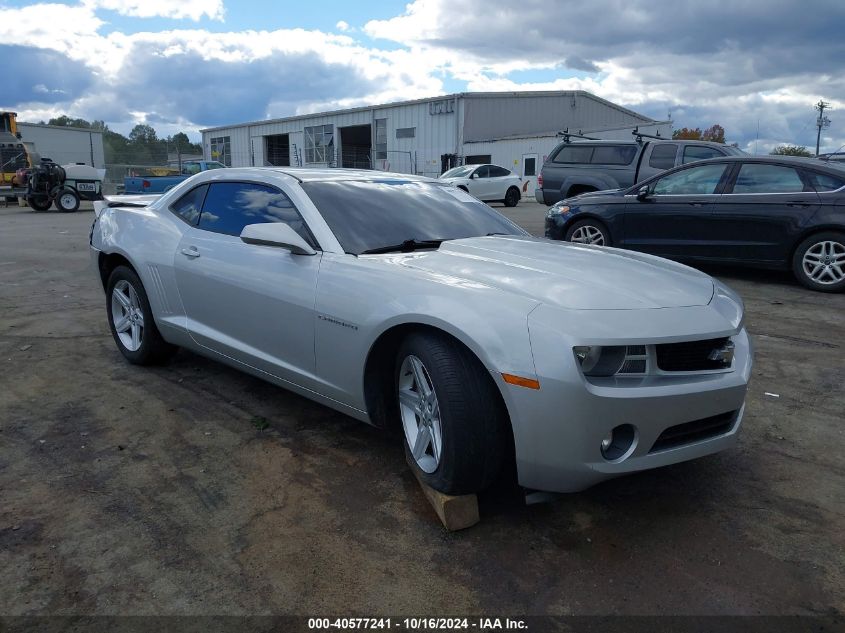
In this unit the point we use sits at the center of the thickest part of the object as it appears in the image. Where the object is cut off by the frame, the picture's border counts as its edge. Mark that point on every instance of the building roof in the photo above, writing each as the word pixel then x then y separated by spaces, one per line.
pixel 60 127
pixel 456 95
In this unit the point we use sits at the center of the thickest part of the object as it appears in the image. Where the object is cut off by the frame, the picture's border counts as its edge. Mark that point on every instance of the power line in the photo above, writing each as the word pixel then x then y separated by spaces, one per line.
pixel 821 122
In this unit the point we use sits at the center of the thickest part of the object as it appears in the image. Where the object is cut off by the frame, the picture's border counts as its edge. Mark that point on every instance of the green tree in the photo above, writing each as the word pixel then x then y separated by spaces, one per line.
pixel 791 150
pixel 143 134
pixel 715 133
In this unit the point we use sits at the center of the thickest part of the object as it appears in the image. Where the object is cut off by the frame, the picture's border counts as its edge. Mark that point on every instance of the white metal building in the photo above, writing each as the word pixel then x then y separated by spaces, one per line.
pixel 426 136
pixel 65 144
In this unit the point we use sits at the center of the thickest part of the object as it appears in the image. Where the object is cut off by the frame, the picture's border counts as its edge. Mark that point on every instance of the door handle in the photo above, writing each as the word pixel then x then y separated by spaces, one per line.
pixel 697 203
pixel 795 203
pixel 191 252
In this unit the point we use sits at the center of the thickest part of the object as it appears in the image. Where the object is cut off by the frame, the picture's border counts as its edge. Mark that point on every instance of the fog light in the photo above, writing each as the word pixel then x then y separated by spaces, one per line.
pixel 619 443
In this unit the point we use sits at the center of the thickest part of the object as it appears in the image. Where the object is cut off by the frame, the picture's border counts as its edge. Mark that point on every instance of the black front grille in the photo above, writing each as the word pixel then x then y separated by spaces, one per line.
pixel 695 431
pixel 691 355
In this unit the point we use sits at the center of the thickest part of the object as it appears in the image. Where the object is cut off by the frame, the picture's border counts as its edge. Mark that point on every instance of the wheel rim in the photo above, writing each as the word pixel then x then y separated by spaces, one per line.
pixel 67 201
pixel 824 262
pixel 587 234
pixel 420 413
pixel 127 315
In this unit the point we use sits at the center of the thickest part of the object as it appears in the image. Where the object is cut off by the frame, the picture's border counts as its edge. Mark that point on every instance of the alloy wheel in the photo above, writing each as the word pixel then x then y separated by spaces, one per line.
pixel 824 262
pixel 420 412
pixel 127 315
pixel 587 235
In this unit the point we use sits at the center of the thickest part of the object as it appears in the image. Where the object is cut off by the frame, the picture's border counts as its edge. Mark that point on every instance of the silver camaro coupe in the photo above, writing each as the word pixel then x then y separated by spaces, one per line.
pixel 404 302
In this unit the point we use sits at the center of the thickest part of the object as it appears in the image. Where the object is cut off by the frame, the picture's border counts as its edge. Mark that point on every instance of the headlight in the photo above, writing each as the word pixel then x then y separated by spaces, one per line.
pixel 596 360
pixel 557 209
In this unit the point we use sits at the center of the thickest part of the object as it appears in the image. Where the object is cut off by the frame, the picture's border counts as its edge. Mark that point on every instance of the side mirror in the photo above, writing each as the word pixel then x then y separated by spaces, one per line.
pixel 276 234
pixel 642 193
pixel 474 175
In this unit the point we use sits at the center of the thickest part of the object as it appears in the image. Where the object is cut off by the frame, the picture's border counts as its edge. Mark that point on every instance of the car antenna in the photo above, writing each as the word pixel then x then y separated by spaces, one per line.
pixel 566 134
pixel 829 157
pixel 636 132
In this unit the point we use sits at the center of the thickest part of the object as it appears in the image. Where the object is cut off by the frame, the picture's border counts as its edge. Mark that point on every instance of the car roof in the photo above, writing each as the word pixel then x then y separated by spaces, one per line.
pixel 795 161
pixel 321 174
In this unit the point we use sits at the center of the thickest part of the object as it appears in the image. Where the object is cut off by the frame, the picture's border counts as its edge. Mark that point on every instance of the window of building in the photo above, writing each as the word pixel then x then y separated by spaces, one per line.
pixel 381 139
pixel 230 206
pixel 319 144
pixel 406 132
pixel 221 149
pixel 663 156
pixel 478 159
pixel 700 152
pixel 759 178
pixel 530 167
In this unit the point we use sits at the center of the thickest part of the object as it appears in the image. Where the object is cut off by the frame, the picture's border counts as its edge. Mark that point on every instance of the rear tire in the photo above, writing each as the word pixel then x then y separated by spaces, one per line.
pixel 819 262
pixel 512 197
pixel 460 435
pixel 588 232
pixel 131 320
pixel 39 202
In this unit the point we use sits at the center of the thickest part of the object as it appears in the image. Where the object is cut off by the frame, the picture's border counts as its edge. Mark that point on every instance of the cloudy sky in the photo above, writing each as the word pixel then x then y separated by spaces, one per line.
pixel 756 68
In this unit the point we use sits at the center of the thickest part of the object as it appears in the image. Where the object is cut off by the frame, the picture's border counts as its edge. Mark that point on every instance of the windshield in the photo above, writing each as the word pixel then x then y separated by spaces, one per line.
pixel 373 215
pixel 458 172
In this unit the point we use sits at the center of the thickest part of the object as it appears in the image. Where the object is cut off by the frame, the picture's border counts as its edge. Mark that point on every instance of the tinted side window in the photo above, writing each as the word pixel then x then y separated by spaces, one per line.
pixel 699 152
pixel 757 178
pixel 188 207
pixel 482 172
pixel 230 206
pixel 498 172
pixel 613 154
pixel 573 154
pixel 700 180
pixel 826 182
pixel 663 156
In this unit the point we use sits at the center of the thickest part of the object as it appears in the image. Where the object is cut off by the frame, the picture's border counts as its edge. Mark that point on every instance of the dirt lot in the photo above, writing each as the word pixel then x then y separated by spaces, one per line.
pixel 126 490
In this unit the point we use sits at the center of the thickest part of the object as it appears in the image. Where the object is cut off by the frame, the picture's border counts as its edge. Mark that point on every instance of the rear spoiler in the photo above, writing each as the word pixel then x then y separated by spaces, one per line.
pixel 132 201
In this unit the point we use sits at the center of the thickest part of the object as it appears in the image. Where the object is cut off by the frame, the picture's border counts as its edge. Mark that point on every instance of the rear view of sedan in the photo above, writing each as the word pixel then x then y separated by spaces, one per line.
pixel 762 211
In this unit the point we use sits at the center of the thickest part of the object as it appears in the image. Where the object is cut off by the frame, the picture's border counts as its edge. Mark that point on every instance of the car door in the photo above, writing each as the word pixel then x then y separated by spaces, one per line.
pixel 500 180
pixel 673 220
pixel 249 302
pixel 764 204
pixel 479 182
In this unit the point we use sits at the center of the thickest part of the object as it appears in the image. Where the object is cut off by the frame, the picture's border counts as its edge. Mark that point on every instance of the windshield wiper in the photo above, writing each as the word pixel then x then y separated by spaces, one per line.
pixel 405 247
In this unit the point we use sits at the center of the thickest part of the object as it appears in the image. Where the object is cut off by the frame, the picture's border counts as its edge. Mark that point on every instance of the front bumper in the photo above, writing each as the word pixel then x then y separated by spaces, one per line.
pixel 558 429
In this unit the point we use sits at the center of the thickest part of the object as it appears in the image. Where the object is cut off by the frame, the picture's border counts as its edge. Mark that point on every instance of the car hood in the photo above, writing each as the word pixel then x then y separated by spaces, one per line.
pixel 562 274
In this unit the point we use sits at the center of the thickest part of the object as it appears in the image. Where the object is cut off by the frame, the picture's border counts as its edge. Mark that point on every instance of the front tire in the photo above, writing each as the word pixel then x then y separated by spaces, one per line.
pixel 131 320
pixel 67 201
pixel 819 262
pixel 588 232
pixel 451 414
pixel 512 197
pixel 39 202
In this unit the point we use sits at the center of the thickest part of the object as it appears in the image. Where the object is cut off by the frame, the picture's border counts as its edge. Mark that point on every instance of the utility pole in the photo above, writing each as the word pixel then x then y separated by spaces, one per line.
pixel 821 122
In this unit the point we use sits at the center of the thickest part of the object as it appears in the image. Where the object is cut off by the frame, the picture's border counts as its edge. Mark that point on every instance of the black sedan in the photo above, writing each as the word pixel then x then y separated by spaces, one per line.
pixel 772 212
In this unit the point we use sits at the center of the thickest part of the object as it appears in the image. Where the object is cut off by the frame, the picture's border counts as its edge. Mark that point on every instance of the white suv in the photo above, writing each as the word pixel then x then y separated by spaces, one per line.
pixel 489 183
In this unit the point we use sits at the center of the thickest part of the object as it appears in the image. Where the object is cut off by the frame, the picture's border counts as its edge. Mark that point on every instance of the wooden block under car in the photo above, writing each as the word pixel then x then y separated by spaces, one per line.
pixel 455 512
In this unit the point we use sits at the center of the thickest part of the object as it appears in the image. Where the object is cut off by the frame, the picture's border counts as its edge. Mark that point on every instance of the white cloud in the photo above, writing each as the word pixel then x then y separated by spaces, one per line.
pixel 192 9
pixel 343 26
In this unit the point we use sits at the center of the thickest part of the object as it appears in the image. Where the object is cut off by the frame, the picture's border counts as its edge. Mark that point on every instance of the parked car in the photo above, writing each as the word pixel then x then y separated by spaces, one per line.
pixel 160 184
pixel 401 301
pixel 489 183
pixel 582 166
pixel 772 212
